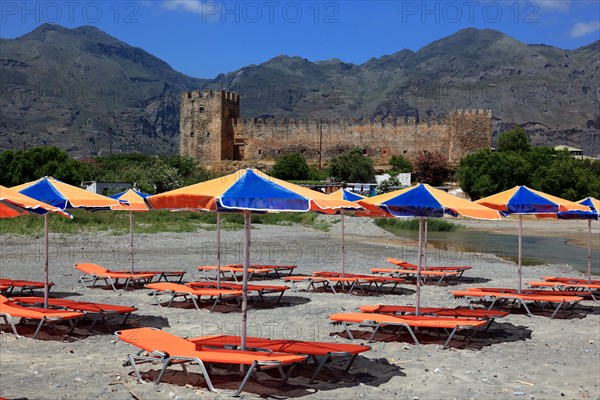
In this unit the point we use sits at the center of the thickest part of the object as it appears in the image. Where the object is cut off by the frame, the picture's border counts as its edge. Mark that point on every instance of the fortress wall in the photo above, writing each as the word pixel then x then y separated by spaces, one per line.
pixel 467 129
pixel 268 140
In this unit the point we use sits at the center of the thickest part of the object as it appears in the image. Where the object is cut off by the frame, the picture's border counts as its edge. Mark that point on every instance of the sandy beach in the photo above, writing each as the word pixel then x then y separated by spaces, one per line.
pixel 518 357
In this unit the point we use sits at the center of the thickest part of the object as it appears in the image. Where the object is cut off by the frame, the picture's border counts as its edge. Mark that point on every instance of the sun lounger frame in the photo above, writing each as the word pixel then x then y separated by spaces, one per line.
pixel 261 290
pixel 107 276
pixel 167 360
pixel 489 299
pixel 96 316
pixel 575 288
pixel 375 326
pixel 318 358
pixel 13 310
pixel 192 294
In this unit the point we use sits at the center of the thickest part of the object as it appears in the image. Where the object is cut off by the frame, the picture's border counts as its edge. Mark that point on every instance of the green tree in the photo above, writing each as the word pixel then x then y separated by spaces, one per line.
pixel 431 167
pixel 400 165
pixel 515 140
pixel 291 167
pixel 352 166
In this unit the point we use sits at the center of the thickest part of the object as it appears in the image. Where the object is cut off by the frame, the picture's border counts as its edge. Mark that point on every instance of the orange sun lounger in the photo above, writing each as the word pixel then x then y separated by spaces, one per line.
pixel 275 269
pixel 99 312
pixel 9 285
pixel 159 275
pixel 9 310
pixel 162 347
pixel 329 283
pixel 261 290
pixel 94 273
pixel 379 281
pixel 459 312
pixel 179 290
pixel 569 280
pixel 376 321
pixel 489 299
pixel 406 265
pixel 577 289
pixel 231 271
pixel 411 273
pixel 541 292
pixel 315 350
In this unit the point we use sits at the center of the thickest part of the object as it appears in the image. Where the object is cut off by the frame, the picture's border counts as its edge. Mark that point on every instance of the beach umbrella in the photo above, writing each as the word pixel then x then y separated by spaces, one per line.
pixel 423 201
pixel 522 200
pixel 248 191
pixel 14 204
pixel 594 205
pixel 136 202
pixel 62 195
pixel 345 194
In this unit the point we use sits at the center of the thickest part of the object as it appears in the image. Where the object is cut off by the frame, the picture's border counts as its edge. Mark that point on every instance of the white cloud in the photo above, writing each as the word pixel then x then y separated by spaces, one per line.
pixel 193 6
pixel 581 29
pixel 559 5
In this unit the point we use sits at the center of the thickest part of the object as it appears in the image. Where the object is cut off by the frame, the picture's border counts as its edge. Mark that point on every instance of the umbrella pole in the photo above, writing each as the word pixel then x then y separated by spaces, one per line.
pixel 425 229
pixel 46 280
pixel 589 251
pixel 218 250
pixel 131 237
pixel 343 248
pixel 245 276
pixel 420 257
pixel 520 246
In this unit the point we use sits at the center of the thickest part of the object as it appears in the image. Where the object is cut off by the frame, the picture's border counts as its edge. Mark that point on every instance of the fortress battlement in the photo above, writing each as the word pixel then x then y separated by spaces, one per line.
pixel 211 94
pixel 360 121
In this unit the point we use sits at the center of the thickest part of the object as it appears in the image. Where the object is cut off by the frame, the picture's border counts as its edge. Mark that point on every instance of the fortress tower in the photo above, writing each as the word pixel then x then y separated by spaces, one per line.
pixel 211 131
pixel 205 125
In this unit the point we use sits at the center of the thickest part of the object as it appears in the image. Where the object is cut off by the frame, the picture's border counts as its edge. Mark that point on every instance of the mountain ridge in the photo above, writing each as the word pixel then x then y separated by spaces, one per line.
pixel 81 88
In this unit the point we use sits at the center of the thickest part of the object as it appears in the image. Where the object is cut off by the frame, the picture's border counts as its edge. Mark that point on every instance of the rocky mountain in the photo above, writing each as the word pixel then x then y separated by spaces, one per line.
pixel 82 89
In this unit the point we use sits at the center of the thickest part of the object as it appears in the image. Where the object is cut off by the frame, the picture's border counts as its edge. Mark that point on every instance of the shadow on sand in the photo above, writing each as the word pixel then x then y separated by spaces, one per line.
pixel 365 371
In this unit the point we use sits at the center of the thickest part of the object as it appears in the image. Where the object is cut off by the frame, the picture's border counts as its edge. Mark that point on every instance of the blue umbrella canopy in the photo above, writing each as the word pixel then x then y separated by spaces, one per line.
pixel 522 200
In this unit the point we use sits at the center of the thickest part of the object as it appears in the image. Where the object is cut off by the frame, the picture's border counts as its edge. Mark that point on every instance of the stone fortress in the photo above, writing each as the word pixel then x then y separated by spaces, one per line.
pixel 212 132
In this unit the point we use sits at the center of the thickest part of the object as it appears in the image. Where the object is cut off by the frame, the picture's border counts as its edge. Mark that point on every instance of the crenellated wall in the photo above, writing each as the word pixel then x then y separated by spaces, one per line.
pixel 224 136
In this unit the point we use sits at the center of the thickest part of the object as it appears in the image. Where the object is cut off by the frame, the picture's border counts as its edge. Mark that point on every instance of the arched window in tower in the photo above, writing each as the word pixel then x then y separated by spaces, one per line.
pixel 192 134
pixel 200 109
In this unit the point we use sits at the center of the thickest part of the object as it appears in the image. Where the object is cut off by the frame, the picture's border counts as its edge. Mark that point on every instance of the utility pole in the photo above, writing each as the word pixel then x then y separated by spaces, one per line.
pixel 110 140
pixel 320 141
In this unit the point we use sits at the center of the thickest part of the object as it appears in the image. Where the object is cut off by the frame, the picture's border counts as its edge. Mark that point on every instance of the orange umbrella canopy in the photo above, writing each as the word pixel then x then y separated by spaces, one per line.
pixel 63 195
pixel 134 199
pixel 425 201
pixel 14 204
pixel 250 190
pixel 523 200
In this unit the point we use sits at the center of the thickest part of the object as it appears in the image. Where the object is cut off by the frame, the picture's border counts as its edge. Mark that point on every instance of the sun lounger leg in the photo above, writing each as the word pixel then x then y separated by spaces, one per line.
pixel 347 329
pixel 10 321
pixel 153 293
pixel 526 308
pixel 136 371
pixel 39 327
pixel 319 368
pixel 375 330
pixel 557 308
pixel 412 334
pixel 280 297
pixel 450 337
pixel 214 304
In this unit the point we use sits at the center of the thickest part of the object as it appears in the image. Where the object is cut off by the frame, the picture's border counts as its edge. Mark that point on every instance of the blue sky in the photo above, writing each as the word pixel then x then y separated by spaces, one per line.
pixel 203 38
